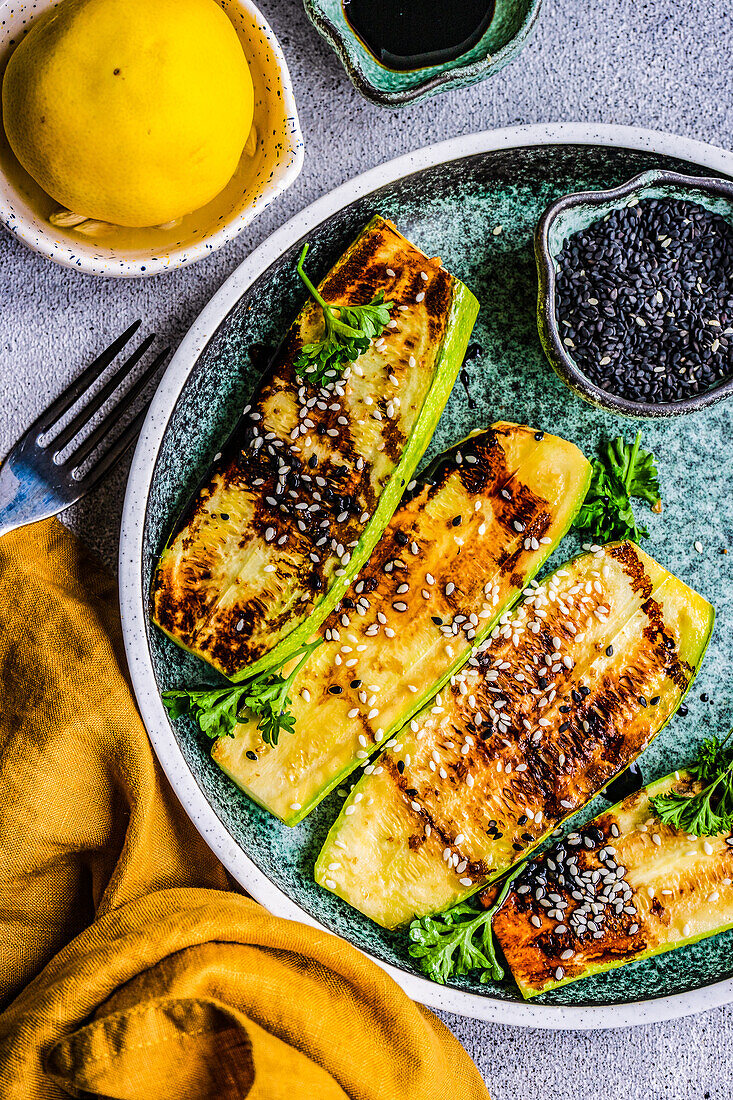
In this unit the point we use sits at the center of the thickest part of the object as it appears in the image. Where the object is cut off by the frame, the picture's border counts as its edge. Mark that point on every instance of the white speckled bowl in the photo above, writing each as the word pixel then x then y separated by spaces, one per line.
pixel 260 177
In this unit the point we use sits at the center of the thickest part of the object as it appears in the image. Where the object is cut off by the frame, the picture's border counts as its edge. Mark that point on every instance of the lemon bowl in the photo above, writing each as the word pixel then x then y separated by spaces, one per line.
pixel 271 161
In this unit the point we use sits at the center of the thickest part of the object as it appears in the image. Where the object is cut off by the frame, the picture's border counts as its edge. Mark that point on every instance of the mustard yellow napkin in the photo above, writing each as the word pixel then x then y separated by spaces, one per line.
pixel 128 966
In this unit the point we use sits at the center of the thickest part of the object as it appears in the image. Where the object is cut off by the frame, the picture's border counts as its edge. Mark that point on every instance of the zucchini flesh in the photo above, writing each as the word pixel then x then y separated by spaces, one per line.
pixel 666 889
pixel 452 549
pixel 312 474
pixel 568 691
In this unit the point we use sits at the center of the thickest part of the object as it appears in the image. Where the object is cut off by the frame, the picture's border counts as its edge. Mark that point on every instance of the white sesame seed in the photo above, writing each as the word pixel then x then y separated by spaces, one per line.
pixel 295 805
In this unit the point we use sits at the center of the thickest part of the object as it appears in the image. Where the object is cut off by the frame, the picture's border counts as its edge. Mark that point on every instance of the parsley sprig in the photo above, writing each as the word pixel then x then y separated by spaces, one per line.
pixel 710 811
pixel 349 330
pixel 621 471
pixel 459 940
pixel 218 709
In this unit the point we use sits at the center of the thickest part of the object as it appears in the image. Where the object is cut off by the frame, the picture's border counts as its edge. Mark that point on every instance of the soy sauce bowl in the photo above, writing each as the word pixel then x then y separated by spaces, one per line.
pixel 511 25
pixel 573 213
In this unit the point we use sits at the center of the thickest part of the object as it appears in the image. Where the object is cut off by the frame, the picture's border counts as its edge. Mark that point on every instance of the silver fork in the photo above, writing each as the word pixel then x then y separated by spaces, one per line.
pixel 36 481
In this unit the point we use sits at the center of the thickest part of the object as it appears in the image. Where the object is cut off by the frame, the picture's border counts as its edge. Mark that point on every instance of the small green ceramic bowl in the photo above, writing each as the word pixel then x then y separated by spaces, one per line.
pixel 571 214
pixel 510 27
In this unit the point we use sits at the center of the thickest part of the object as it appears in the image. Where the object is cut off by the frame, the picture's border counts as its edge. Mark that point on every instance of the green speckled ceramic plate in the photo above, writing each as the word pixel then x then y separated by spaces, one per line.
pixel 474 201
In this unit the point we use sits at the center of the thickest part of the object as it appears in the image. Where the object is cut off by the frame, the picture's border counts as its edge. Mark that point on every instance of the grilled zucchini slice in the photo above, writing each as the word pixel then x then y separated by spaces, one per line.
pixel 656 889
pixel 567 692
pixel 454 555
pixel 312 474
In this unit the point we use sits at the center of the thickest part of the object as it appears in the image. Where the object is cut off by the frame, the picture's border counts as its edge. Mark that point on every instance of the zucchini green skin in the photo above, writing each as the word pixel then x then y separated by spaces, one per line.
pixel 691 880
pixel 336 733
pixel 402 835
pixel 246 577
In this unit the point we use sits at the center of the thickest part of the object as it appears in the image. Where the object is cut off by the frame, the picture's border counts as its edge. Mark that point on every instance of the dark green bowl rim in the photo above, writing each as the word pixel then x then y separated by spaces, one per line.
pixel 438 78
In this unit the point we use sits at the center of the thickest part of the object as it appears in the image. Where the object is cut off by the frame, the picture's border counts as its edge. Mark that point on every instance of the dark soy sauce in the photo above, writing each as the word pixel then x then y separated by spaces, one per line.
pixel 627 782
pixel 410 34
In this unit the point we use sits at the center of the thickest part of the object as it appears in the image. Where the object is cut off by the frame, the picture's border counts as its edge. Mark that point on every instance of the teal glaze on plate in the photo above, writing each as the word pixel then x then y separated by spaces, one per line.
pixel 453 210
pixel 510 27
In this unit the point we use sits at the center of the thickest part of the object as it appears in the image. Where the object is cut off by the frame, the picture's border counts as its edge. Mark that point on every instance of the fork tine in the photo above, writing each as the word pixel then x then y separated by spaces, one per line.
pixel 118 448
pixel 103 429
pixel 81 384
pixel 84 415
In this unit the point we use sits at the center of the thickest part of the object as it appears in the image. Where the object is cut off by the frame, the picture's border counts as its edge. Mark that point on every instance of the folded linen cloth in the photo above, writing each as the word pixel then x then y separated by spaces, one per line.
pixel 130 967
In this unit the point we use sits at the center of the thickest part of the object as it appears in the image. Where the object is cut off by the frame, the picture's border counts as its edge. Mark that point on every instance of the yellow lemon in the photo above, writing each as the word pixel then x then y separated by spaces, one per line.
pixel 134 112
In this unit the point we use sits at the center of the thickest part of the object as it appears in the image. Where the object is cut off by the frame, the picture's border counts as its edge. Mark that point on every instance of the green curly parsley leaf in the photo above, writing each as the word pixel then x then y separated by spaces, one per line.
pixel 460 940
pixel 349 331
pixel 710 811
pixel 217 710
pixel 621 472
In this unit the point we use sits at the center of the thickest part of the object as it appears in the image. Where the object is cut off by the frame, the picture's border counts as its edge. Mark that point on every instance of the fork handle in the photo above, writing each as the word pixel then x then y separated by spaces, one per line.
pixel 23 498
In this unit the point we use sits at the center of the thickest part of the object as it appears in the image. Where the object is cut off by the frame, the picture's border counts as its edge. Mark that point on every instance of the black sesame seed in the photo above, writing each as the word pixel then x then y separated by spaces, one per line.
pixel 654 701
pixel 457 521
pixel 355 684
pixel 401 538
pixel 225 516
pixel 584 690
pixel 636 293
pixel 539 435
pixel 400 766
pixel 683 711
pixel 704 697
pixel 335 689
pixel 437 620
pixel 411 791
pixel 251 755
pixel 313 461
pixel 609 651
pixel 643 701
pixel 564 726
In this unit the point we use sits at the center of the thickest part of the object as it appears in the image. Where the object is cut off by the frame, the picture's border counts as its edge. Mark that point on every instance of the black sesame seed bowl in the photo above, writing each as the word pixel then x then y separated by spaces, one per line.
pixel 625 331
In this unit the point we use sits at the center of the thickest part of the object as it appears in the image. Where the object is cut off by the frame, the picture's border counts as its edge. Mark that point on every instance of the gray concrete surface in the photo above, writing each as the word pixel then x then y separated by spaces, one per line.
pixel 664 64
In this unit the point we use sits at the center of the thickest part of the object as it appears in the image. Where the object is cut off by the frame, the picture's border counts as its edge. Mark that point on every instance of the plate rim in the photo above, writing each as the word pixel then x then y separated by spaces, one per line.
pixel 133 598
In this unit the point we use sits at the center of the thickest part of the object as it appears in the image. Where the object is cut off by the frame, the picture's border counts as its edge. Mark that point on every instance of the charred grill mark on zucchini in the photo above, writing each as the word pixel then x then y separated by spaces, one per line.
pixel 536 724
pixel 624 887
pixel 429 592
pixel 266 541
